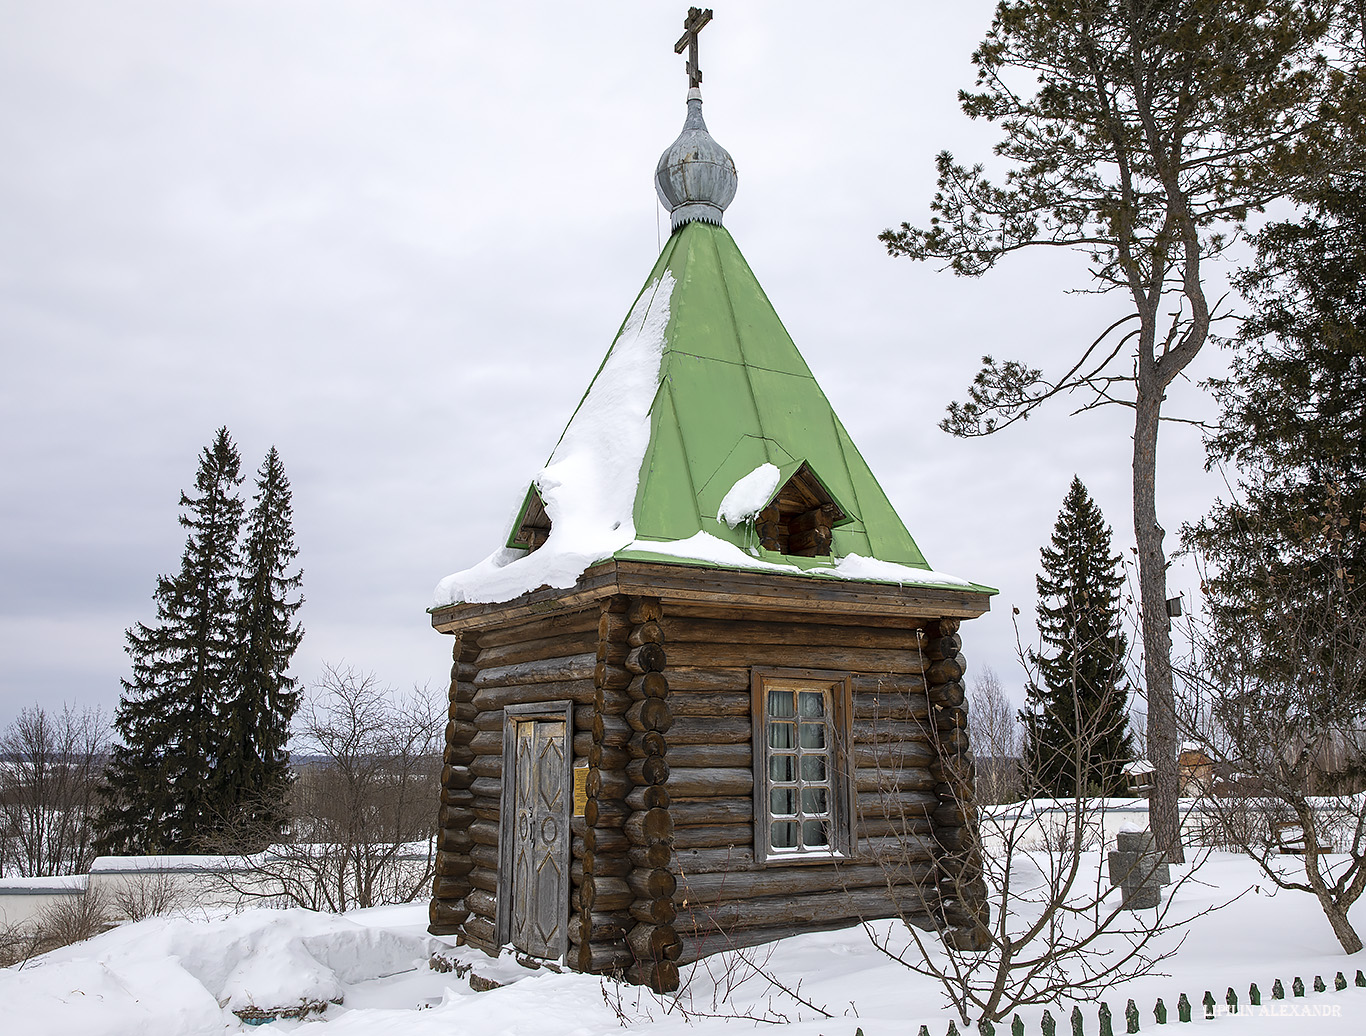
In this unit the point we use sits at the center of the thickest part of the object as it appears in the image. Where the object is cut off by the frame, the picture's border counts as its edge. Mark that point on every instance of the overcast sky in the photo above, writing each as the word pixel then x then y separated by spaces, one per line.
pixel 394 239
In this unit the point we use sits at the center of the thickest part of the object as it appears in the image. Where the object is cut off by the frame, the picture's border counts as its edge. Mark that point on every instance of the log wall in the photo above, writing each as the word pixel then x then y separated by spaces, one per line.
pixel 663 865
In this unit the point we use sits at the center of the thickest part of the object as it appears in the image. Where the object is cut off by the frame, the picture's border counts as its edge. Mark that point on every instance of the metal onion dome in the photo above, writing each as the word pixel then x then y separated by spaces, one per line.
pixel 695 178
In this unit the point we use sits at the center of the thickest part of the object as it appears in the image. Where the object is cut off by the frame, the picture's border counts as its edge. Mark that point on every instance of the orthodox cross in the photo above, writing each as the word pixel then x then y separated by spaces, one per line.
pixel 692 25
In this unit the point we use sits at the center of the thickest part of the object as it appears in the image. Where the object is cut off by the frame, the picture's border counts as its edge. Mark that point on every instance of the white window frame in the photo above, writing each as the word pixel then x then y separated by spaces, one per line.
pixel 837 688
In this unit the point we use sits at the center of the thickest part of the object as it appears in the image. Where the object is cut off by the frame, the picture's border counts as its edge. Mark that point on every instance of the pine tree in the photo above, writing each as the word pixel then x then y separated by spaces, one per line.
pixel 253 765
pixel 1077 736
pixel 159 777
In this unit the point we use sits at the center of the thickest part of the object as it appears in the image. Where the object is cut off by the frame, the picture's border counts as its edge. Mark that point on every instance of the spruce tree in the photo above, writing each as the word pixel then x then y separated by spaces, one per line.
pixel 159 779
pixel 1077 736
pixel 253 765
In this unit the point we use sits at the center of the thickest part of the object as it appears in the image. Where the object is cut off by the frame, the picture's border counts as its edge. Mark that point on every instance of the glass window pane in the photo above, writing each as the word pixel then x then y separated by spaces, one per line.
pixel 814 835
pixel 813 767
pixel 780 703
pixel 781 735
pixel 812 703
pixel 815 800
pixel 783 835
pixel 783 768
pixel 813 735
pixel 782 802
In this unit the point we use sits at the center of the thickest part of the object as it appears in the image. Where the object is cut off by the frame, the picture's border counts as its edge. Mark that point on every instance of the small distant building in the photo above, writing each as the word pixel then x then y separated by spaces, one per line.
pixel 708 686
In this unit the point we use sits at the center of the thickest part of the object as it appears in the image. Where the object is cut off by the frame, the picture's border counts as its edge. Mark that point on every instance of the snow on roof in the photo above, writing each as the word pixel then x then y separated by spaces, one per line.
pixel 589 485
pixel 749 495
pixel 1138 766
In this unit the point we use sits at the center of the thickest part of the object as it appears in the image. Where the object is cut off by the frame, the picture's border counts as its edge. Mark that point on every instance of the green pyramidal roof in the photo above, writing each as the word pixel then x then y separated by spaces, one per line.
pixel 734 394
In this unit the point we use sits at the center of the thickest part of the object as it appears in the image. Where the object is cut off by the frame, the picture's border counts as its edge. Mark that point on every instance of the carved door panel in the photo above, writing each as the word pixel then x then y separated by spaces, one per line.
pixel 540 849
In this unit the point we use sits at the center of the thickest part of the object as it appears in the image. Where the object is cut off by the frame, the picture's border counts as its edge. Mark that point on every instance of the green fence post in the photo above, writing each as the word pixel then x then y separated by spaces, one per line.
pixel 1277 990
pixel 1232 1000
pixel 1106 1023
pixel 1183 1008
pixel 1297 987
pixel 1340 981
pixel 1017 1026
pixel 1254 995
pixel 1076 1022
pixel 1319 987
pixel 1160 1012
pixel 1209 1004
pixel 924 1031
pixel 1361 979
pixel 986 1028
pixel 1047 1025
pixel 1131 1017
pixel 953 1029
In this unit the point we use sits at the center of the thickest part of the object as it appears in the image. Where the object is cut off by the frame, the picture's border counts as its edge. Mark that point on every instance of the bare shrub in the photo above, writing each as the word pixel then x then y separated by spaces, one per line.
pixel 74 919
pixel 149 894
pixel 364 810
pixel 50 768
pixel 994 732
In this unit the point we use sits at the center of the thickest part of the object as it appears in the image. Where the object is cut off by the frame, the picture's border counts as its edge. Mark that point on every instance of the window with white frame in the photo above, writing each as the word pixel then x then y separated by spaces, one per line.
pixel 801 788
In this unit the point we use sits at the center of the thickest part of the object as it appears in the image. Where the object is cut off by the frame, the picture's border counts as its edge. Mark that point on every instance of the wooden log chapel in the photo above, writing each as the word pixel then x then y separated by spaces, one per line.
pixel 708 687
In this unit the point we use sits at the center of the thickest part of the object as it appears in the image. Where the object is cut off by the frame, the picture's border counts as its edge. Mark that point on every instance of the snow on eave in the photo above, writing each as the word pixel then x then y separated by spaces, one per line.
pixel 589 485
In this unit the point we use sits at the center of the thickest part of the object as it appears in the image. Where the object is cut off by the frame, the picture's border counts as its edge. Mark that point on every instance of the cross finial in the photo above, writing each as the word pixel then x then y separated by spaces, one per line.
pixel 692 25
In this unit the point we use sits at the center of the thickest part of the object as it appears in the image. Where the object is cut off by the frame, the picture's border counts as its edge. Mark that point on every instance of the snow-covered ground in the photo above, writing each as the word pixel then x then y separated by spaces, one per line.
pixel 369 973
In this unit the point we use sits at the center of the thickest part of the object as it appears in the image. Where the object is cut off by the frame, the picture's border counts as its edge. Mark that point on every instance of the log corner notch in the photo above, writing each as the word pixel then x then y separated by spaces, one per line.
pixel 962 888
pixel 653 942
pixel 448 911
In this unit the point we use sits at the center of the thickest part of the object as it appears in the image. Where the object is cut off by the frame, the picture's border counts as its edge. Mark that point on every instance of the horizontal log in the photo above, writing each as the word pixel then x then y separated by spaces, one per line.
pixel 605 840
pixel 652 883
pixel 654 911
pixel 453 777
pixel 463 690
pixel 462 710
pixel 611 702
pixel 714 703
pixel 485 879
pixel 650 857
pixel 647 743
pixel 486 766
pixel 606 813
pixel 606 757
pixel 614 626
pixel 643 609
pixel 540 626
pixel 487 787
pixel 943 647
pixel 606 893
pixel 485 856
pixel 888 683
pixel 696 730
pixel 795 881
pixel 454 840
pixel 607 784
pixel 946 670
pixel 447 915
pixel 454 816
pixel 616 677
pixel 897 827
pixel 450 887
pixel 648 658
pixel 483 832
pixel 602 926
pixel 457 797
pixel 463 669
pixel 713 835
pixel 895 755
pixel 893 618
pixel 487 742
pixel 573 668
pixel 650 714
pixel 825 907
pixel 603 867
pixel 604 958
pixel 612 652
pixel 457 755
pixel 700 812
pixel 453 865
pixel 650 770
pixel 485 904
pixel 710 861
pixel 711 941
pixel 661 976
pixel 612 731
pixel 911 778
pixel 811 542
pixel 706 678
pixel 646 633
pixel 682 757
pixel 490 720
pixel 538 649
pixel 655 825
pixel 891 705
pixel 654 942
pixel 856 660
pixel 709 781
pixel 648 796
pixel 482 932
pixel 949 694
pixel 879 731
pixel 648 685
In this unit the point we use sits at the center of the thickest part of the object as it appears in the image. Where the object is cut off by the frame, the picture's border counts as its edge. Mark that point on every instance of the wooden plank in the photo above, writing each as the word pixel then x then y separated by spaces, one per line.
pixel 854 660
pixel 810 633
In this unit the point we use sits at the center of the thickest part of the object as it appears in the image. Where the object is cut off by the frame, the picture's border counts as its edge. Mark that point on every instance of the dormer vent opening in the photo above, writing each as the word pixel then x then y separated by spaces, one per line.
pixel 801 519
pixel 534 528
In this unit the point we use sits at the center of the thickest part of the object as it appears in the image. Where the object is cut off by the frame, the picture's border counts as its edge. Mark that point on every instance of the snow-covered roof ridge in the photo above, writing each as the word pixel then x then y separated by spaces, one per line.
pixel 589 484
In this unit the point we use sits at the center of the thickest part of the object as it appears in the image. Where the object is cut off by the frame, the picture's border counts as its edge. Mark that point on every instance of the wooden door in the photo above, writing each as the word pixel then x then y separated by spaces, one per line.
pixel 539 893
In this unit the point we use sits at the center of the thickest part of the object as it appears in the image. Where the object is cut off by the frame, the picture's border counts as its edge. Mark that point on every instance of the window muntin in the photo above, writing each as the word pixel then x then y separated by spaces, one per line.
pixel 800 724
